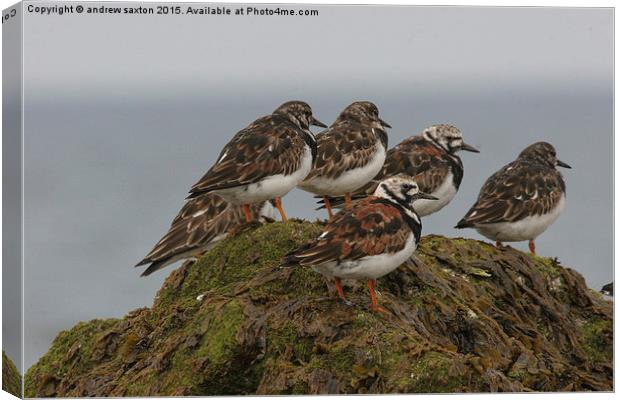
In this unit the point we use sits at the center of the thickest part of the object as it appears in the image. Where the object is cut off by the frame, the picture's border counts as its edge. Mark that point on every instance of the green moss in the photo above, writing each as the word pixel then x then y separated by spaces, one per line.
pixel 288 336
pixel 222 325
pixel 597 339
pixel 596 294
pixel 431 374
pixel 240 258
pixel 548 266
pixel 299 388
pixel 72 349
pixel 11 379
pixel 423 295
pixel 341 358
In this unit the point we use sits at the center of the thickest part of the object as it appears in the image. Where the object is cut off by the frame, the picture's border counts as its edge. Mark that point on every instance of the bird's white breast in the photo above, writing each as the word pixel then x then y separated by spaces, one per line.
pixel 525 229
pixel 267 211
pixel 444 193
pixel 369 267
pixel 270 187
pixel 348 181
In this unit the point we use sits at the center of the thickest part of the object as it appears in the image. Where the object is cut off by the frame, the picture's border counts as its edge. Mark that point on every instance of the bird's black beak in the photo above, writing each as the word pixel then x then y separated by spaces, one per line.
pixel 469 147
pixel 422 195
pixel 562 164
pixel 316 122
pixel 384 124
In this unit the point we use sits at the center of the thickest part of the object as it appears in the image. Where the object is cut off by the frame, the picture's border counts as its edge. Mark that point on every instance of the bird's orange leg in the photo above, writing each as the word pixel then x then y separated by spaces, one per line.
pixel 280 209
pixel 532 246
pixel 341 292
pixel 375 306
pixel 248 214
pixel 328 207
pixel 347 200
pixel 498 243
pixel 339 289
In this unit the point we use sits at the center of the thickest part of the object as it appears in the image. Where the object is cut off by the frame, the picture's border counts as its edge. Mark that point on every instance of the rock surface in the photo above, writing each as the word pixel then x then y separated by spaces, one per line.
pixel 463 317
pixel 11 379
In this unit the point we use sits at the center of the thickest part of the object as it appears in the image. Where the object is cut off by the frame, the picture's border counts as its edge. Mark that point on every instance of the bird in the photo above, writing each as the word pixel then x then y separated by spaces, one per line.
pixel 201 224
pixel 265 160
pixel 349 153
pixel 521 200
pixel 369 240
pixel 431 157
pixel 608 289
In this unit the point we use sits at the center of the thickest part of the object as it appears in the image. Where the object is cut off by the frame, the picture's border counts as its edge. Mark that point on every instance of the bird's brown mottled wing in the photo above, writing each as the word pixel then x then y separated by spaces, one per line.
pixel 371 227
pixel 418 158
pixel 345 146
pixel 270 146
pixel 514 192
pixel 415 157
pixel 209 205
pixel 200 221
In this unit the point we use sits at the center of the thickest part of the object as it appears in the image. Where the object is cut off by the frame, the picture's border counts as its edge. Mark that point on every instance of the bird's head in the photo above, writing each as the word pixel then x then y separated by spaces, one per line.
pixel 448 137
pixel 363 112
pixel 401 189
pixel 542 153
pixel 299 113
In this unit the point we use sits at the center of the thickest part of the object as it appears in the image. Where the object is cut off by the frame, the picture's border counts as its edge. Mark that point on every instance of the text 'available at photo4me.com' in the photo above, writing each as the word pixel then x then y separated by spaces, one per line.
pixel 170 9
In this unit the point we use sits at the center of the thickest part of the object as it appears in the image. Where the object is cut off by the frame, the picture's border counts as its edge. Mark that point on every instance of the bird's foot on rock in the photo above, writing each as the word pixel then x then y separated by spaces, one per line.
pixel 347 303
pixel 379 309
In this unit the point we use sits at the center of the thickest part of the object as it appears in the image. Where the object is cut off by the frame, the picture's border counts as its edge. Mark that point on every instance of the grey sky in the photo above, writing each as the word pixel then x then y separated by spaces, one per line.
pixel 124 113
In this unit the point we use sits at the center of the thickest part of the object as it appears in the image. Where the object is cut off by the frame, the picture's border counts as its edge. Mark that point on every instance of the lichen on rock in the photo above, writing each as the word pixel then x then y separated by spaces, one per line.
pixel 464 316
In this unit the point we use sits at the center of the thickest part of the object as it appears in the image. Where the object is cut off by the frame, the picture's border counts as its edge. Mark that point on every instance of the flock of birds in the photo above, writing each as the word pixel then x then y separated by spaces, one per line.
pixel 381 193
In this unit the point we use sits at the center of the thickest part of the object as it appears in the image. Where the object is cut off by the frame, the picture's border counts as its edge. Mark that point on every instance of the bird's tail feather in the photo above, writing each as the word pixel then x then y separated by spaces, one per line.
pixel 156 266
pixel 336 201
pixel 463 223
pixel 292 259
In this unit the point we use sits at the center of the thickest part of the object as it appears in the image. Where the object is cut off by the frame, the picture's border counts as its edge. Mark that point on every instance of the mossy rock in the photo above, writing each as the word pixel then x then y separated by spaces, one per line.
pixel 463 316
pixel 11 379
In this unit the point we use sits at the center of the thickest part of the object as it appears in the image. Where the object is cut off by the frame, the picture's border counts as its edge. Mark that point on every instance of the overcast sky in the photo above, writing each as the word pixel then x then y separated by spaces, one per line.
pixel 124 113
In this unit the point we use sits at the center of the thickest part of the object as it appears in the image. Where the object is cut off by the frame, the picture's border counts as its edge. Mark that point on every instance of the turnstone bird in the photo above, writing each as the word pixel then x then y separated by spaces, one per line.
pixel 608 290
pixel 522 199
pixel 265 160
pixel 201 223
pixel 349 153
pixel 370 240
pixel 431 157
